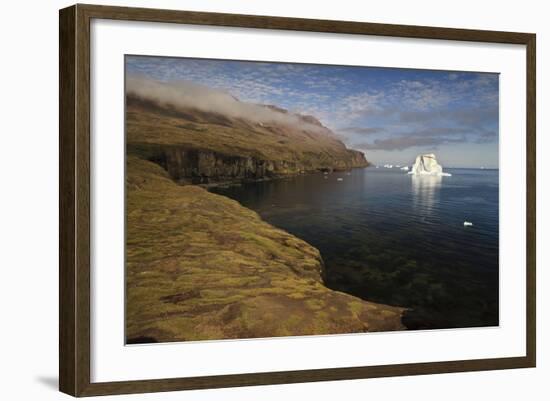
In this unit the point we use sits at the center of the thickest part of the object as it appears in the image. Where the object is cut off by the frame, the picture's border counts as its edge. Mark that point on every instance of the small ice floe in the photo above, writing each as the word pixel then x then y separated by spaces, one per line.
pixel 468 224
pixel 339 179
pixel 405 168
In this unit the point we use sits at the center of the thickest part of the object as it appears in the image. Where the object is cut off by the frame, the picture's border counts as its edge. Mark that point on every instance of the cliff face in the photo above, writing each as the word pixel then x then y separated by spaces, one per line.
pixel 203 166
pixel 198 147
pixel 200 266
pixel 358 159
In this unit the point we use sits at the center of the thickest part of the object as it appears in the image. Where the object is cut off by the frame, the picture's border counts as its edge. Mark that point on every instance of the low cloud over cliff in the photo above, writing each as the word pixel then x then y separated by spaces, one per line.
pixel 185 95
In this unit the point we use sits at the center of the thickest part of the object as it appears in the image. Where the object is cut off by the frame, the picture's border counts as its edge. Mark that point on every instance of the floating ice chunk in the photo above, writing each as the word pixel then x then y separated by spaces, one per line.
pixel 339 179
pixel 427 165
pixel 405 168
pixel 468 224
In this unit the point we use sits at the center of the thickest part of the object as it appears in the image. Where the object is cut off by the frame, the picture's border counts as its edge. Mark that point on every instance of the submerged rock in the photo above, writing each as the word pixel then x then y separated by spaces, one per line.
pixel 427 165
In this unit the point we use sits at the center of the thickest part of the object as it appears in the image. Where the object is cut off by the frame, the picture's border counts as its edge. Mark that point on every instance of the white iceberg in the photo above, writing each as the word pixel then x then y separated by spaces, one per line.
pixel 468 224
pixel 427 165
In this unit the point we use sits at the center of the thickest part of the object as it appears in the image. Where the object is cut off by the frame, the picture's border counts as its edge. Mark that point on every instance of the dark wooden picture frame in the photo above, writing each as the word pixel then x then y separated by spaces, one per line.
pixel 74 204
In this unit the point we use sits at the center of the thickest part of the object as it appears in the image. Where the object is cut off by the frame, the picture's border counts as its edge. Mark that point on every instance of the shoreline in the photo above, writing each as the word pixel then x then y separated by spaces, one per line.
pixel 237 277
pixel 359 254
pixel 241 181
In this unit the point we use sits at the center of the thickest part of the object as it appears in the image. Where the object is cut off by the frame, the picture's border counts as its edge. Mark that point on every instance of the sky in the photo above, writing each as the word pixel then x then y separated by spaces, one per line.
pixel 391 114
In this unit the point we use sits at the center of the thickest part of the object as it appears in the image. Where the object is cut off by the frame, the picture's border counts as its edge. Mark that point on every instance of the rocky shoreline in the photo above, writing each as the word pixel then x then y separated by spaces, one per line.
pixel 187 165
pixel 201 266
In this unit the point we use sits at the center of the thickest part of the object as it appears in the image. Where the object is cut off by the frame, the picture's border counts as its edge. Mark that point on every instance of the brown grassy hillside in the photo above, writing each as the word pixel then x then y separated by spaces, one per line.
pixel 200 266
pixel 190 143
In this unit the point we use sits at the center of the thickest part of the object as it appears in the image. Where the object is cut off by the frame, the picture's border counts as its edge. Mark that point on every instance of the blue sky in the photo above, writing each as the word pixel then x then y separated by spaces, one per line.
pixel 390 114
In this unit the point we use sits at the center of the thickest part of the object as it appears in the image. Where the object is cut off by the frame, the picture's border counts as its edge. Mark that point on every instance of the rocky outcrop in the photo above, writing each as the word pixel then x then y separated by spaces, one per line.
pixel 199 166
pixel 200 266
pixel 202 147
pixel 357 159
pixel 203 166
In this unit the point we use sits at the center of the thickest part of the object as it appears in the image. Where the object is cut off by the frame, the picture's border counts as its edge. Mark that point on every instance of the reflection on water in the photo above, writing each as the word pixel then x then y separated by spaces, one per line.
pixel 397 239
pixel 425 190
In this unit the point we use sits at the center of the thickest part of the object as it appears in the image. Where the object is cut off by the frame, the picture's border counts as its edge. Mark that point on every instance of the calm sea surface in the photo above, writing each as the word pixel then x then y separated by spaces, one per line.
pixel 397 239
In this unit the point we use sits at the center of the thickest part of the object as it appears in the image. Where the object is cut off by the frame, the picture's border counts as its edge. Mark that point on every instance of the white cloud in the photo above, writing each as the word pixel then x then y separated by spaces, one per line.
pixel 184 95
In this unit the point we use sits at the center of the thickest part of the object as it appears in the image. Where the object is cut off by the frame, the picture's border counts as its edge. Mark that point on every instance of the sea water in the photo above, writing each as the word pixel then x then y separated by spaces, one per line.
pixel 393 238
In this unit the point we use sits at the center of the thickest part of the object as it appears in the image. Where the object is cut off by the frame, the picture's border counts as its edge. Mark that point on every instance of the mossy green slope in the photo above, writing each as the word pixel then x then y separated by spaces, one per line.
pixel 200 266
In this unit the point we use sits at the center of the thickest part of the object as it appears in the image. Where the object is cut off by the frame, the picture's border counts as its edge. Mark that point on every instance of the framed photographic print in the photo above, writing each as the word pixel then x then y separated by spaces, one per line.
pixel 251 200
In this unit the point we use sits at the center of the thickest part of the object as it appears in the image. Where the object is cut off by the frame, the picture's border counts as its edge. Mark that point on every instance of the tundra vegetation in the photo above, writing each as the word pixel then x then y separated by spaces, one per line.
pixel 201 266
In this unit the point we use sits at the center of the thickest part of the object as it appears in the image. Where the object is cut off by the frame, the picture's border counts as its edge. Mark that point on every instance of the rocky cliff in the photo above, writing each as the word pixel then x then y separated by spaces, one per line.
pixel 202 147
pixel 203 166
